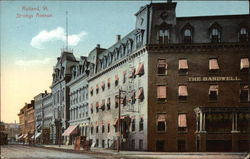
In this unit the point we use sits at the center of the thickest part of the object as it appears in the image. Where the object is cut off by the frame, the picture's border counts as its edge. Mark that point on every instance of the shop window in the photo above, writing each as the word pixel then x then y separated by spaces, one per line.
pixel 218 122
pixel 183 66
pixel 182 122
pixel 181 145
pixel 161 93
pixel 213 92
pixel 244 93
pixel 162 67
pixel 213 66
pixel 243 119
pixel 97 143
pixel 160 146
pixel 141 124
pixel 182 92
pixel 243 34
pixel 116 80
pixel 161 122
pixel 140 70
pixel 163 36
pixel 103 143
pixel 140 144
pixel 133 144
pixel 133 125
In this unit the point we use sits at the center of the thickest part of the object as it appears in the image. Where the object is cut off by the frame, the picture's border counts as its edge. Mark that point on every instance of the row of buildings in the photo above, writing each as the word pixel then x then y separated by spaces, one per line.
pixel 171 84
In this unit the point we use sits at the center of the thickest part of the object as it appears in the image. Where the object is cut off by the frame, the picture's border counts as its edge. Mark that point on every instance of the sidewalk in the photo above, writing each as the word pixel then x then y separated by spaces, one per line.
pixel 70 148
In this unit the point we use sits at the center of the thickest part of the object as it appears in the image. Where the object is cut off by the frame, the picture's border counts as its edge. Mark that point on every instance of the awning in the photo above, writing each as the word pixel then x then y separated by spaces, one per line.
pixel 161 92
pixel 182 120
pixel 97 104
pixel 161 118
pixel 162 63
pixel 213 88
pixel 183 91
pixel 71 130
pixel 244 63
pixel 116 77
pixel 140 69
pixel 38 135
pixel 213 64
pixel 139 94
pixel 19 137
pixel 183 64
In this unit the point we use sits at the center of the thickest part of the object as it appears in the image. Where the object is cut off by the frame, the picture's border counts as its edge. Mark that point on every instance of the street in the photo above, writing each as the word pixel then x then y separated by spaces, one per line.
pixel 30 152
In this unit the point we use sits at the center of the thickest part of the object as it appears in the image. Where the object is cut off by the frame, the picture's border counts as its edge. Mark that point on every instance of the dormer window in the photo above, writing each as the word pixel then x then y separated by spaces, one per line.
pixel 243 34
pixel 215 35
pixel 187 36
pixel 163 36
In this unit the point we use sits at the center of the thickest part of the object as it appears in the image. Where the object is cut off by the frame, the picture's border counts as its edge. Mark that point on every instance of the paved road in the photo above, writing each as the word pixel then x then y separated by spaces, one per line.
pixel 27 152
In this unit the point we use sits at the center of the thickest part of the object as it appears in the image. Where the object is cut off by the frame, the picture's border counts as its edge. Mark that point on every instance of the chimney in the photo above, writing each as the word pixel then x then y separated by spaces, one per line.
pixel 118 38
pixel 98 45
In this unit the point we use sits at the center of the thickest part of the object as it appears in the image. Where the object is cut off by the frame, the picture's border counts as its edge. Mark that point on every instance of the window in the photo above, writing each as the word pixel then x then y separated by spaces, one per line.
pixel 103 143
pixel 91 91
pixel 140 144
pixel 103 86
pixel 213 92
pixel 140 70
pixel 244 64
pixel 160 145
pixel 103 105
pixel 141 124
pixel 161 93
pixel 97 143
pixel 91 108
pixel 96 129
pixel 161 122
pixel 124 76
pixel 91 129
pixel 162 67
pixel 139 94
pixel 132 73
pixel 133 125
pixel 163 36
pixel 187 36
pixel 116 80
pixel 183 66
pixel 243 34
pixel 103 129
pixel 244 93
pixel 133 144
pixel 108 104
pixel 97 89
pixel 182 122
pixel 182 92
pixel 213 66
pixel 108 127
pixel 116 101
pixel 108 83
pixel 97 107
pixel 215 35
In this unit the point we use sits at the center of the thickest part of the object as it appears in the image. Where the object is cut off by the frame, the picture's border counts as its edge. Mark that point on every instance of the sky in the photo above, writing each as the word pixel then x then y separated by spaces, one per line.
pixel 33 33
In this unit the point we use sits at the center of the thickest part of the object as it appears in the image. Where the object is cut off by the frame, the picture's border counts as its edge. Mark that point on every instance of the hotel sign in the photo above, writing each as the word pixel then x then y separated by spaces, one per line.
pixel 213 79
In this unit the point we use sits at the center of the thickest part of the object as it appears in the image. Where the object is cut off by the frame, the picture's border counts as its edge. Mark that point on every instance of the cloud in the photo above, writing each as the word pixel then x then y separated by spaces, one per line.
pixel 33 62
pixel 57 34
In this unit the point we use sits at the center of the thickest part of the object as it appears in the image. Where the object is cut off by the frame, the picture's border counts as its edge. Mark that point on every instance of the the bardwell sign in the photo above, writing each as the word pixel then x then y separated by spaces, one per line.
pixel 213 78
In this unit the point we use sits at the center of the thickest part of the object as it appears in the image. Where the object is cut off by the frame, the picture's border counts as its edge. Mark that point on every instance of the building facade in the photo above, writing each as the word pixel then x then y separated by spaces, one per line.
pixel 78 95
pixel 27 122
pixel 59 90
pixel 47 118
pixel 38 105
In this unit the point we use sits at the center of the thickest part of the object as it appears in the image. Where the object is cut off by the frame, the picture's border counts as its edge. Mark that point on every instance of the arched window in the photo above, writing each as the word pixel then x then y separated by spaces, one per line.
pixel 187 32
pixel 187 36
pixel 215 35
